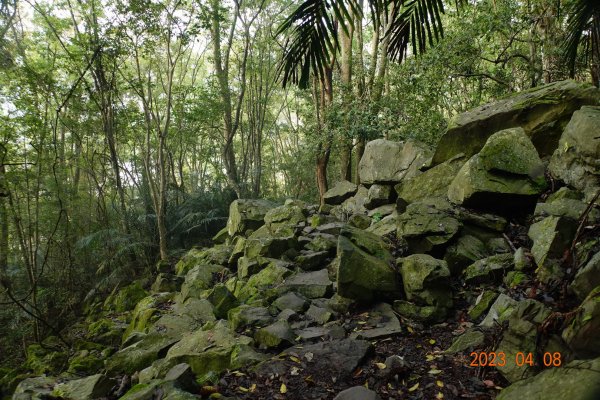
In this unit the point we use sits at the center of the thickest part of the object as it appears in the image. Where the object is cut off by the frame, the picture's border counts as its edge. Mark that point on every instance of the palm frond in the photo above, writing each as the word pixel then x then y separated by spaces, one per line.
pixel 414 23
pixel 581 14
pixel 312 37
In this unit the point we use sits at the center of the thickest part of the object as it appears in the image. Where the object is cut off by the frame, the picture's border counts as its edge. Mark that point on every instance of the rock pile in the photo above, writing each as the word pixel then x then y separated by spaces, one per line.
pixel 480 220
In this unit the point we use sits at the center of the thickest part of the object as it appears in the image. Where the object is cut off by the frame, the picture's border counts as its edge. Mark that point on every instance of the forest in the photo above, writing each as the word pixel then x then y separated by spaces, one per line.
pixel 128 127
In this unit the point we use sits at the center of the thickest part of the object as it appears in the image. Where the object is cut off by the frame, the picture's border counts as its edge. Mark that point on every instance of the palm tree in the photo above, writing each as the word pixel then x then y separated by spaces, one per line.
pixel 312 46
pixel 584 22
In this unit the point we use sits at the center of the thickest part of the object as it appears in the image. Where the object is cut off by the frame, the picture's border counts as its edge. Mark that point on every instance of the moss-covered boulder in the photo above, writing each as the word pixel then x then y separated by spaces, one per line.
pixel 521 337
pixel 140 354
pixel 247 214
pixel 146 312
pixel 587 278
pixel 39 387
pixel 315 284
pixel 575 161
pixel 579 379
pixel 432 183
pixel 248 316
pixel 378 196
pixel 583 334
pixel 267 278
pixel 125 299
pixel 551 237
pixel 216 255
pixel 542 112
pixel 385 161
pixel 199 279
pixel 45 360
pixel 222 300
pixel 286 216
pixel 365 269
pixel 465 251
pixel 506 175
pixel 340 192
pixel 91 387
pixel 489 270
pixel 86 362
pixel 276 335
pixel 428 226
pixel 425 280
pixel 215 349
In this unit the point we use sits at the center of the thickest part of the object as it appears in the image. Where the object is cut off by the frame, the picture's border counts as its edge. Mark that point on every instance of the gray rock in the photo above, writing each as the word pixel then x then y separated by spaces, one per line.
pixel 310 284
pixel 311 260
pixel 575 161
pixel 385 161
pixel 583 334
pixel 381 323
pixel 378 196
pixel 496 178
pixel 340 192
pixel 167 283
pixel 247 214
pixel 521 337
pixel 319 315
pixel 551 237
pixel 468 341
pixel 464 252
pixel 542 112
pixel 587 278
pixel 578 379
pixel 276 335
pixel 428 225
pixel 432 183
pixel 291 301
pixel 425 280
pixel 357 393
pixel 364 267
pixel 248 316
pixel 489 270
pixel 499 312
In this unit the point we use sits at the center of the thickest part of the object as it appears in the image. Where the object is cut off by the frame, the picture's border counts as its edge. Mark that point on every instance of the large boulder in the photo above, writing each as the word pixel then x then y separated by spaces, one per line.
pixel 583 334
pixel 92 387
pixel 587 278
pixel 542 112
pixel 425 280
pixel 390 162
pixel 365 269
pixel 140 354
pixel 285 217
pixel 378 195
pixel 247 214
pixel 340 192
pixel 577 158
pixel 579 379
pixel 521 337
pixel 551 237
pixel 428 225
pixel 432 183
pixel 210 350
pixel 507 174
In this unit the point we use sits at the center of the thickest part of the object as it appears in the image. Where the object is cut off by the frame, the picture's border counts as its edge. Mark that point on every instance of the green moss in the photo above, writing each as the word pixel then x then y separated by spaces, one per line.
pixel 42 361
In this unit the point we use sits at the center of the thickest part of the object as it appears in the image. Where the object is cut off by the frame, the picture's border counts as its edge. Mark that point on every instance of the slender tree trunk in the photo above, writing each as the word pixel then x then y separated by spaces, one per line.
pixel 324 149
pixel 3 224
pixel 346 80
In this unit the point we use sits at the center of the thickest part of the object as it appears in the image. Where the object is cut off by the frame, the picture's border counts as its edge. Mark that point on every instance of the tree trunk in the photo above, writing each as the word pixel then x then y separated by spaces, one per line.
pixel 346 80
pixel 3 224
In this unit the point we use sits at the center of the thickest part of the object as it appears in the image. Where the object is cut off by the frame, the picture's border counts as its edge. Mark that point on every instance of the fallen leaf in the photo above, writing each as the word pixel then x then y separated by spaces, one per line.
pixel 294 371
pixel 381 365
pixel 413 388
pixel 357 373
pixel 411 330
pixel 243 389
pixel 283 388
pixel 439 383
pixel 429 357
pixel 253 387
pixel 295 359
pixel 431 341
pixel 489 383
pixel 434 371
pixel 309 356
pixel 439 395
pixel 238 373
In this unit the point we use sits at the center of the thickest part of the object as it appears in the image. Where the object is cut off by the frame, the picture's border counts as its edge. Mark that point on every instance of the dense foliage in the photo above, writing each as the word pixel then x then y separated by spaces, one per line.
pixel 127 127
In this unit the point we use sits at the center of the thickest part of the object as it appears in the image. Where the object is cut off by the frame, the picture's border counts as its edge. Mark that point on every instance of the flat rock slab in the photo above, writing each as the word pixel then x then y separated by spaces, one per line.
pixel 338 358
pixel 357 393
